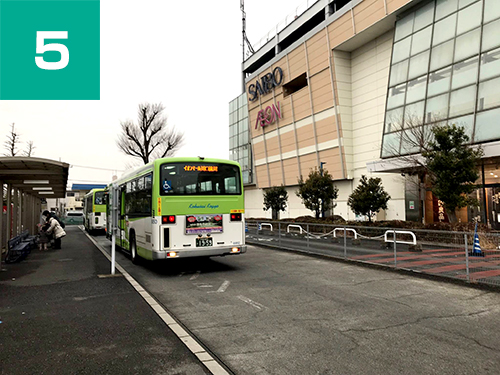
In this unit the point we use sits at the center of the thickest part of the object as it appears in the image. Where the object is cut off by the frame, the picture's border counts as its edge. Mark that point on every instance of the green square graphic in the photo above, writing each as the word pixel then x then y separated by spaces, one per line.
pixel 35 63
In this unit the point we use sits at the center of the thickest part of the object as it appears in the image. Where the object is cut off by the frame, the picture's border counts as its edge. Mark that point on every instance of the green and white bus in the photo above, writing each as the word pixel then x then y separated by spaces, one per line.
pixel 180 207
pixel 94 210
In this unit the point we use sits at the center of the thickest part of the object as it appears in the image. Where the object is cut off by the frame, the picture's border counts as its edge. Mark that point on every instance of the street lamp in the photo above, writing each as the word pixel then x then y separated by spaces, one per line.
pixel 321 172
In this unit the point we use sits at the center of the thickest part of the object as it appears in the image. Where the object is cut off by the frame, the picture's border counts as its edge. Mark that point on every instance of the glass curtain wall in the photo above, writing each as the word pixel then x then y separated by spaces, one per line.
pixel 445 68
pixel 239 141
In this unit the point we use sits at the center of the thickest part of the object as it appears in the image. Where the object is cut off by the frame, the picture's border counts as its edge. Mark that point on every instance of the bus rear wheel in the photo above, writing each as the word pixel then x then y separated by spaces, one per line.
pixel 133 251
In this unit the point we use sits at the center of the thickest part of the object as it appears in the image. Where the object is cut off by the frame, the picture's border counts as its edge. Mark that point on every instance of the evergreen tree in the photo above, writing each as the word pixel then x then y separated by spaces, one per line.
pixel 275 198
pixel 452 165
pixel 369 197
pixel 318 191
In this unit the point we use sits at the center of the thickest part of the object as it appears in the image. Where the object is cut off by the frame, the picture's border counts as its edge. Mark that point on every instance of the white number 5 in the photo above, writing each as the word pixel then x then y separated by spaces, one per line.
pixel 41 48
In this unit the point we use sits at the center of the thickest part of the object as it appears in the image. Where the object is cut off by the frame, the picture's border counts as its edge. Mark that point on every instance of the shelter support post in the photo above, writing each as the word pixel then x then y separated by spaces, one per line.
pixel 9 214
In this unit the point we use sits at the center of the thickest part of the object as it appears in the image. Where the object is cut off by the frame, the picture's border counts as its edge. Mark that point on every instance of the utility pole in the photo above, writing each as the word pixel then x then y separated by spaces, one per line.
pixel 245 41
pixel 321 172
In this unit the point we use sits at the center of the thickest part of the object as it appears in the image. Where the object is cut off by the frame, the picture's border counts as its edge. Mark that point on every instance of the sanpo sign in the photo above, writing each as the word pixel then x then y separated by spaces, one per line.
pixel 266 84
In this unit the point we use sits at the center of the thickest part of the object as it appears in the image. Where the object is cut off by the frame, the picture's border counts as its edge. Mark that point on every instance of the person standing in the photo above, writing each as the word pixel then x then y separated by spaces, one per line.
pixel 43 238
pixel 55 229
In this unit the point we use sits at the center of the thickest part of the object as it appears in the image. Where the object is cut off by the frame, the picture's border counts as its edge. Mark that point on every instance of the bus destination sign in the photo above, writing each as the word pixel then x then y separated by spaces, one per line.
pixel 201 168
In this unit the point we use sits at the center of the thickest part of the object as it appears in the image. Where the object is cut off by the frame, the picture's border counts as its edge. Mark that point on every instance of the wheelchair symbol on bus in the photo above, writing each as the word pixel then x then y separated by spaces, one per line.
pixel 167 185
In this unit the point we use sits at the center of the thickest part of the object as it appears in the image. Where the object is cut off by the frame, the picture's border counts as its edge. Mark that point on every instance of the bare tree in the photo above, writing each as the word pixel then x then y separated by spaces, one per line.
pixel 11 144
pixel 149 139
pixel 30 147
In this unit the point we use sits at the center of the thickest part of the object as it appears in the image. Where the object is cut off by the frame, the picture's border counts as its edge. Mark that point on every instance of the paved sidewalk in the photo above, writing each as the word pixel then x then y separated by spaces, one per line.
pixel 59 317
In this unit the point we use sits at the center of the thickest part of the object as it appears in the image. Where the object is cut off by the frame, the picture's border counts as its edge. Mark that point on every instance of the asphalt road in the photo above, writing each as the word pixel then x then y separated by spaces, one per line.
pixel 275 312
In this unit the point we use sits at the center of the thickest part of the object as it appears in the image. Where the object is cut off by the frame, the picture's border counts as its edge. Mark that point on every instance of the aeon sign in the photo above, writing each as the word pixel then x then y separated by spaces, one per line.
pixel 266 84
pixel 268 116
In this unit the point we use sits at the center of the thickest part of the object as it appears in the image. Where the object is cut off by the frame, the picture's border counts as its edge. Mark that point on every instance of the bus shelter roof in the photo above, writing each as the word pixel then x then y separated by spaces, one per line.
pixel 43 178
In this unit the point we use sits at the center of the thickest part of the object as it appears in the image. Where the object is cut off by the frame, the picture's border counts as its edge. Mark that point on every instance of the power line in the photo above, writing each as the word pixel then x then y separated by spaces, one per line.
pixel 103 169
pixel 100 182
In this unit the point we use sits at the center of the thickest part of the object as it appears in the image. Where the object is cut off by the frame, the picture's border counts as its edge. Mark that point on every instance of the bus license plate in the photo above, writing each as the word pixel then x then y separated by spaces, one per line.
pixel 204 242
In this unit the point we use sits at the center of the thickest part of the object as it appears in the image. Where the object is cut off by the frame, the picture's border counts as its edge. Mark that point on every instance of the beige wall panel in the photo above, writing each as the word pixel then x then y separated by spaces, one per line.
pixel 321 82
pixel 322 95
pixel 287 140
pixel 340 30
pixel 316 39
pixel 297 62
pixel 308 163
pixel 369 18
pixel 318 56
pixel 300 97
pixel 326 136
pixel 305 136
pixel 332 159
pixel 393 5
pixel 276 173
pixel 291 168
pixel 282 64
pixel 324 102
pixel 318 64
pixel 288 148
pixel 262 176
pixel 302 111
pixel 286 112
pixel 298 69
pixel 367 6
pixel 272 147
pixel 266 100
pixel 297 53
pixel 306 142
pixel 367 13
pixel 327 126
pixel 318 61
pixel 259 151
pixel 301 104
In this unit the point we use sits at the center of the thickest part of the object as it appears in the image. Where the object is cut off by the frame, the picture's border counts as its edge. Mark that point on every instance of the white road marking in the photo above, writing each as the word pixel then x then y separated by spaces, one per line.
pixel 252 303
pixel 203 285
pixel 206 358
pixel 195 276
pixel 222 288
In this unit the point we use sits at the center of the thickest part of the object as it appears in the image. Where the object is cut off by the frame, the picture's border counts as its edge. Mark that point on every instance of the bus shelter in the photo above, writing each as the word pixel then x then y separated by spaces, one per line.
pixel 25 182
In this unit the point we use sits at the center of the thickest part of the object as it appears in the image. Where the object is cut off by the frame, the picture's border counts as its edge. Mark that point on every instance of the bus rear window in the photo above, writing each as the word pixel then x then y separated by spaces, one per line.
pixel 199 179
pixel 99 197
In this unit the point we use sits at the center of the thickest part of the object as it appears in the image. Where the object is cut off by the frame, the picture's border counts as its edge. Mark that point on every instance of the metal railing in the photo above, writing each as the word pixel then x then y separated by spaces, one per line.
pixel 436 252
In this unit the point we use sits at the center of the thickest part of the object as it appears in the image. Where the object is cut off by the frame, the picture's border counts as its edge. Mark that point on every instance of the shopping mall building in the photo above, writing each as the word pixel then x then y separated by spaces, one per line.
pixel 339 85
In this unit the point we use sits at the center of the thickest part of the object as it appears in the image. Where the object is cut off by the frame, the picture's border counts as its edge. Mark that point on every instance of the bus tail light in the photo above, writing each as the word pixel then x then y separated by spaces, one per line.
pixel 235 250
pixel 171 254
pixel 235 217
pixel 168 219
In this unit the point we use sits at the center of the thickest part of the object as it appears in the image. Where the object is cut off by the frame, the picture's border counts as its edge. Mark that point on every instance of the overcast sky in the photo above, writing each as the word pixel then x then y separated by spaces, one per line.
pixel 186 55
